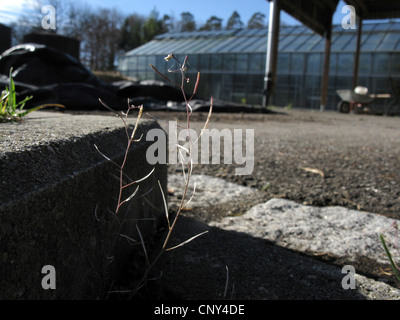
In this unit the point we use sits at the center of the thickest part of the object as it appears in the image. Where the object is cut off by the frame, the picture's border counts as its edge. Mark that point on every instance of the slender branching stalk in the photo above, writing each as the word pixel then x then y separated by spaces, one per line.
pixel 131 139
pixel 184 80
pixel 182 69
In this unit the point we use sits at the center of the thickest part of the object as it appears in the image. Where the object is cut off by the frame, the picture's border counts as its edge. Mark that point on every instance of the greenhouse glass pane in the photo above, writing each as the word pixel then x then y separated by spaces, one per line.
pixel 282 92
pixel 142 63
pixel 283 63
pixel 204 85
pixel 313 91
pixel 133 62
pixel 229 62
pixel 333 63
pixel 219 46
pixel 290 30
pixel 239 88
pixel 193 62
pixel 255 83
pixel 389 42
pixel 257 62
pixel 164 47
pixel 204 60
pixel 298 41
pixel 381 27
pixel 123 65
pixel 161 64
pixel 180 46
pixel 395 26
pixel 368 26
pixel 345 63
pixel 241 62
pixel 351 45
pixel 286 41
pixel 253 44
pixel 372 42
pixel 259 45
pixel 380 84
pixel 216 62
pixel 215 85
pixel 381 63
pixel 227 85
pixel 244 43
pixel 395 64
pixel 314 63
pixel 340 42
pixel 343 82
pixel 200 46
pixel 337 28
pixel 297 63
pixel 209 46
pixel 151 60
pixel 309 44
pixel 233 45
pixel 365 63
pixel 363 81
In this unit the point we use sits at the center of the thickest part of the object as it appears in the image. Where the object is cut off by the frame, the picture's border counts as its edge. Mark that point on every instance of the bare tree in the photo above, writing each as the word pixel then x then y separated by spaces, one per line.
pixel 98 30
pixel 100 39
pixel 76 15
pixel 29 20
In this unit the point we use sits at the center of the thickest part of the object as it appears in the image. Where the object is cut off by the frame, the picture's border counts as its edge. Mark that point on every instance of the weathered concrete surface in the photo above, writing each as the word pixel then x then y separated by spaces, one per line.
pixel 278 249
pixel 57 200
pixel 335 231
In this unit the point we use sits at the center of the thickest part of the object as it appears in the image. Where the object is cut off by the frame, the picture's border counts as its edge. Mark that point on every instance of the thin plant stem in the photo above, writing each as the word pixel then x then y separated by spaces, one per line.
pixel 392 264
pixel 182 69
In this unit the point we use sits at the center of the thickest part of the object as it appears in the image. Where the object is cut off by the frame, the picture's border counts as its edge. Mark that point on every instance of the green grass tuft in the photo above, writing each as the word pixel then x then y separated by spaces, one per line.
pixel 10 109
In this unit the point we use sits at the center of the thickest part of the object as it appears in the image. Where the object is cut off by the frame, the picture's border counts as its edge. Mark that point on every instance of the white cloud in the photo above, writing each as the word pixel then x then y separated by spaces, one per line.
pixel 11 10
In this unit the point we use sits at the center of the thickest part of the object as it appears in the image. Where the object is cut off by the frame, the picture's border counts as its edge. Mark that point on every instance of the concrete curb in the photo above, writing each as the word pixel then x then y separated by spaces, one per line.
pixel 57 202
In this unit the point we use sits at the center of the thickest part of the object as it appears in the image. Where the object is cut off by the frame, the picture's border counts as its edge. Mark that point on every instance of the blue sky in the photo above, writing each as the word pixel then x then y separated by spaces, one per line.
pixel 201 9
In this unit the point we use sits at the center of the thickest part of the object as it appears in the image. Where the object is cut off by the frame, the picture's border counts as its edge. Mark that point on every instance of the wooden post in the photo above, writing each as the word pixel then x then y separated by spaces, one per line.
pixel 357 54
pixel 325 75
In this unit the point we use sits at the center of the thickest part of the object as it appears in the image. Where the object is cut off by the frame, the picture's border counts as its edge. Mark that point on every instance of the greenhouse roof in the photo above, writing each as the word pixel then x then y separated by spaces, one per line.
pixel 377 37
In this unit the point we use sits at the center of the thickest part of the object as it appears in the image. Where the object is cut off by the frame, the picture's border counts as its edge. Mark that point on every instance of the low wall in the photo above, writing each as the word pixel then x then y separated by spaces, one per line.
pixel 57 203
pixel 5 39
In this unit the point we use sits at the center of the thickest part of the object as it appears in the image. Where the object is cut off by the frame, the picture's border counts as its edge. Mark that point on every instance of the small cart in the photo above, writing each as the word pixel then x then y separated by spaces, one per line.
pixel 351 100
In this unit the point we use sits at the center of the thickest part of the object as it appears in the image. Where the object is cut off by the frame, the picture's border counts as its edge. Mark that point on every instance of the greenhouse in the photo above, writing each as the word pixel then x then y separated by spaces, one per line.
pixel 232 62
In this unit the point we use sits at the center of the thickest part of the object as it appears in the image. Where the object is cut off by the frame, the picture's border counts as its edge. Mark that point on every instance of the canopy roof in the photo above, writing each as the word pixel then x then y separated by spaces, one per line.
pixel 376 9
pixel 317 14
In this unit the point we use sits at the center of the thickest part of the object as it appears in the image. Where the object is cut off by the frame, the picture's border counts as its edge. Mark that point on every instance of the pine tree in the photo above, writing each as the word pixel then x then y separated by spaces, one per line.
pixel 131 32
pixel 212 24
pixel 152 27
pixel 256 21
pixel 187 22
pixel 234 21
